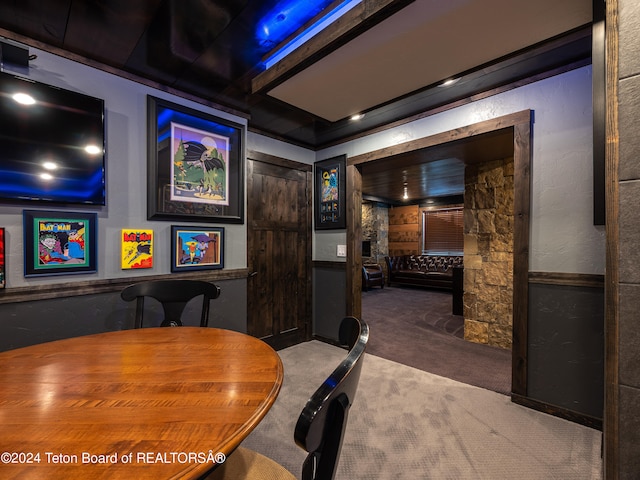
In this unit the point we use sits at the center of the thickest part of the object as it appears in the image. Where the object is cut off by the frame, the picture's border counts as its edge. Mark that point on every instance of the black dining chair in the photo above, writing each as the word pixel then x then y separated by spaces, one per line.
pixel 321 425
pixel 174 296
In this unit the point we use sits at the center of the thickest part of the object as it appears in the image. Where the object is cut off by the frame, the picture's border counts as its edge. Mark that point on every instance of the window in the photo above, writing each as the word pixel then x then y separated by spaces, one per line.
pixel 442 231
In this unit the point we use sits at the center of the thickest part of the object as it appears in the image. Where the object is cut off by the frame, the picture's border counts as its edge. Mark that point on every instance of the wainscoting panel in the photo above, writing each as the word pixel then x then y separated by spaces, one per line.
pixel 329 299
pixel 27 323
pixel 566 345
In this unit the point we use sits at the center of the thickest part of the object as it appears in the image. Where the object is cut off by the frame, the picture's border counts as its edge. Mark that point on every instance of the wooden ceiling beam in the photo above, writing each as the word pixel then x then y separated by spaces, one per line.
pixel 360 18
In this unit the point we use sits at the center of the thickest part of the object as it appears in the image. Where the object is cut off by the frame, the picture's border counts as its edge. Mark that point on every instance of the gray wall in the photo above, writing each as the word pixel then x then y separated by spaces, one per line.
pixel 126 170
pixel 32 322
pixel 563 237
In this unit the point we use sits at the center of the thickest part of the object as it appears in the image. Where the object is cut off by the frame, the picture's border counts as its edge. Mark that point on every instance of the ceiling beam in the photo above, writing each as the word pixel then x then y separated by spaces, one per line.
pixel 360 18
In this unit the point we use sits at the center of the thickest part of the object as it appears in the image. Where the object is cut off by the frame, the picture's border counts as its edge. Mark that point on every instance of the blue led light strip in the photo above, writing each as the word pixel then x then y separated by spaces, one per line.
pixel 310 32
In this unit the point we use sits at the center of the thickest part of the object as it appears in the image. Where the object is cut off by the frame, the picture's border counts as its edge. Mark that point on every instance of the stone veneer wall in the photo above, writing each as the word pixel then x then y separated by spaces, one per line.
pixel 488 253
pixel 375 228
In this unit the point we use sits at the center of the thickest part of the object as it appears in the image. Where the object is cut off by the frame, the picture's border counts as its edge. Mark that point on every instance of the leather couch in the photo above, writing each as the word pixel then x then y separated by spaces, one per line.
pixel 372 276
pixel 423 270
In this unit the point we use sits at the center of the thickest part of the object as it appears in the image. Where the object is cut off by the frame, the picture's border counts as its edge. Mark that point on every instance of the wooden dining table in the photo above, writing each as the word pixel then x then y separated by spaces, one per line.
pixel 145 403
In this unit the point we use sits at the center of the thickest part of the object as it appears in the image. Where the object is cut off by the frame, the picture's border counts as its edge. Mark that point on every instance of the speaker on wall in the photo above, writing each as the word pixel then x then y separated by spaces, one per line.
pixel 13 55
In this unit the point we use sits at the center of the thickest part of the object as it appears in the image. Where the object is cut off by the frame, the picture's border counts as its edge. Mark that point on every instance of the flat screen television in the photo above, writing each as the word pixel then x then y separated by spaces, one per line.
pixel 51 144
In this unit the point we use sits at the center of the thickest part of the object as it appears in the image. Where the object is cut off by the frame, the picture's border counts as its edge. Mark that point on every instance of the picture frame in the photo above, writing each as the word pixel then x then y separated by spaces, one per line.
pixel 136 248
pixel 195 165
pixel 330 193
pixel 3 279
pixel 59 243
pixel 196 248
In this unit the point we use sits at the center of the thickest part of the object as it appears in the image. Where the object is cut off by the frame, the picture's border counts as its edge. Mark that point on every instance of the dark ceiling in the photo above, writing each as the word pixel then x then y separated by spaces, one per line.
pixel 210 50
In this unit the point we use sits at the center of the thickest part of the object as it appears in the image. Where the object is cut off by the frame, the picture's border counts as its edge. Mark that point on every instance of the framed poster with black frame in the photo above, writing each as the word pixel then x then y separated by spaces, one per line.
pixel 195 165
pixel 329 193
pixel 59 243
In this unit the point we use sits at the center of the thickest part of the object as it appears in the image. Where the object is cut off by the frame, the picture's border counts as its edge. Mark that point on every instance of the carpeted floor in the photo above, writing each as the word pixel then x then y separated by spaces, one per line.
pixel 415 327
pixel 407 424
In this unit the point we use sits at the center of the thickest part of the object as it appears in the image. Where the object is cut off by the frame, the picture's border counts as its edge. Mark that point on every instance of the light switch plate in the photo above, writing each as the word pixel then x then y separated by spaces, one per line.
pixel 342 251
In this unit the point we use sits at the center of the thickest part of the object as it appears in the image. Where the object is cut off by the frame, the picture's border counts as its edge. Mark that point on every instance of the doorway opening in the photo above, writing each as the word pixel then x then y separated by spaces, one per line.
pixel 504 137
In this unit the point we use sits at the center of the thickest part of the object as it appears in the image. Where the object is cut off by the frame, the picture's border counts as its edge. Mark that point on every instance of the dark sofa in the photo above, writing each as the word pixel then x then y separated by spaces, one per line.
pixel 423 270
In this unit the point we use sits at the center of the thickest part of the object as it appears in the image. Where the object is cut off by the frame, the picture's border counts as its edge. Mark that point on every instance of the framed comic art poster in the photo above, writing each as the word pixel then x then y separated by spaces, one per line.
pixel 196 248
pixel 329 193
pixel 195 165
pixel 136 249
pixel 59 243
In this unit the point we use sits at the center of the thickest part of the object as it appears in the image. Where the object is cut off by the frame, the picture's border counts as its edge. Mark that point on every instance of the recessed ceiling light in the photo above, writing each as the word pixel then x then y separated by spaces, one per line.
pixel 92 149
pixel 24 99
pixel 448 83
pixel 357 116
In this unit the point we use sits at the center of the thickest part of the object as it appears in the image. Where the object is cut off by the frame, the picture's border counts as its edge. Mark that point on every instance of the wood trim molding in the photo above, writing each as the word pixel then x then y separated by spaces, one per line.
pixel 520 124
pixel 281 162
pixel 357 20
pixel 522 156
pixel 611 449
pixel 354 242
pixel 462 133
pixel 559 412
pixel 329 265
pixel 567 279
pixel 93 287
pixel 329 341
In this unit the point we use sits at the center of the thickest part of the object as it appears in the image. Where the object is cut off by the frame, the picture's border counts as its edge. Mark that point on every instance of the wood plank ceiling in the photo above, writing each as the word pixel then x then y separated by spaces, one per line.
pixel 210 50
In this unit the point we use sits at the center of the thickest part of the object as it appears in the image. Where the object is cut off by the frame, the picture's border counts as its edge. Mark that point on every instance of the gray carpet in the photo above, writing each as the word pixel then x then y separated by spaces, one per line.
pixel 409 424
pixel 415 327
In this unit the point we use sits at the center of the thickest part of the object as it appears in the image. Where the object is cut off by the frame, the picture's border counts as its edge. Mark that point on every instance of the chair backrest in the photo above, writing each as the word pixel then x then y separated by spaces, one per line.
pixel 174 296
pixel 321 425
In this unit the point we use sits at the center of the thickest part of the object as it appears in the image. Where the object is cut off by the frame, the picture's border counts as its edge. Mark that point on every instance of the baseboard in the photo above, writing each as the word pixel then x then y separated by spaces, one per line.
pixel 580 418
pixel 330 341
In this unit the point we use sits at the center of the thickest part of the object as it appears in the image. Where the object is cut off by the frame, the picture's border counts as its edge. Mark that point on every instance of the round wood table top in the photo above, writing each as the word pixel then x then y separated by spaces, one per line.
pixel 144 403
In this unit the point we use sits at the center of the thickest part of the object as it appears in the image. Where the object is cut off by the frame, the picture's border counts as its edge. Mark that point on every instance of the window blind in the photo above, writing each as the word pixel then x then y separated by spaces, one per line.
pixel 442 232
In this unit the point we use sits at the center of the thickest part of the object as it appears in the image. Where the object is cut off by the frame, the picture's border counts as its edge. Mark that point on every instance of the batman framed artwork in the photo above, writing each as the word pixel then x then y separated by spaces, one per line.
pixel 59 243
pixel 196 248
pixel 195 165
pixel 329 193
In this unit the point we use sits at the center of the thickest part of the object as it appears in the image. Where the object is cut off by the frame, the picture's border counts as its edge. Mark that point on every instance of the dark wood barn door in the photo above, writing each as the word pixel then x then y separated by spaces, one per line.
pixel 279 250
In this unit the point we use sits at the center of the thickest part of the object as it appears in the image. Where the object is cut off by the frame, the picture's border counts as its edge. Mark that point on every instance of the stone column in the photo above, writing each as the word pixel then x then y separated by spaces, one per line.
pixel 375 228
pixel 488 253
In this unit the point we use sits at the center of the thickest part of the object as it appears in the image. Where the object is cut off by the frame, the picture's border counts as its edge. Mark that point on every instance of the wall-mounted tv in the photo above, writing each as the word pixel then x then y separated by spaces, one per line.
pixel 51 144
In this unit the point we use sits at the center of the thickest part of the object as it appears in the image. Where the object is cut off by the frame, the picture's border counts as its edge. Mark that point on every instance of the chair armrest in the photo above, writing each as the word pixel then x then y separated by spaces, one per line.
pixel 372 266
